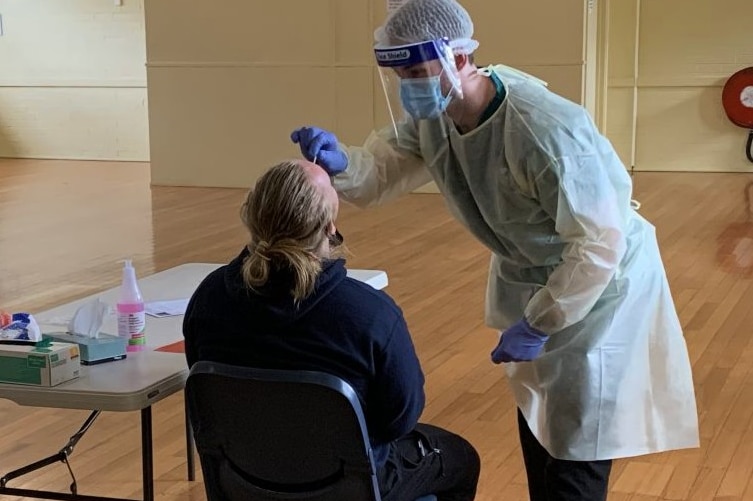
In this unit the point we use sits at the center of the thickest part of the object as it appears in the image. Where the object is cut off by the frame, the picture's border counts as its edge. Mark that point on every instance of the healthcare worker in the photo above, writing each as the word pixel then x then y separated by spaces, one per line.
pixel 590 337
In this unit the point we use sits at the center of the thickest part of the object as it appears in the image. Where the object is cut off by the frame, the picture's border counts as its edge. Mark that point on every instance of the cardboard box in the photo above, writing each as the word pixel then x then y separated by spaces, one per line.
pixel 43 364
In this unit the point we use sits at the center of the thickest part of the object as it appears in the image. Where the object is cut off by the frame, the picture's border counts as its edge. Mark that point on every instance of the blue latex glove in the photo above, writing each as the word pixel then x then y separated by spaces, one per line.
pixel 519 343
pixel 321 147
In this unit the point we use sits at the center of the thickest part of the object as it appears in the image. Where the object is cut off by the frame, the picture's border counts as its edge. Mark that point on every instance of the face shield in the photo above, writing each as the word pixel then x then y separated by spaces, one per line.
pixel 420 79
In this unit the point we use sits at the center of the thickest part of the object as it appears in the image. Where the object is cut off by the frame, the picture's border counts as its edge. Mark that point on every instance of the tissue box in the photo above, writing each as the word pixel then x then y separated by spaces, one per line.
pixel 45 365
pixel 105 348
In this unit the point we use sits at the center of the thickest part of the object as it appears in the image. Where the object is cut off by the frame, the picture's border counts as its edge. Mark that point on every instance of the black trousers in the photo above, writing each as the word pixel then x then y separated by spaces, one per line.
pixel 430 460
pixel 551 479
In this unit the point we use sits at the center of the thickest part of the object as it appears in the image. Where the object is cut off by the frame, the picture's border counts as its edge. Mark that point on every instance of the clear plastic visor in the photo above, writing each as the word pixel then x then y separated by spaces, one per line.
pixel 418 79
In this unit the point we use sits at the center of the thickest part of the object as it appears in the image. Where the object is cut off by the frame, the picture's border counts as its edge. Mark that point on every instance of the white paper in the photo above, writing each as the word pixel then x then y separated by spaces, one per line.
pixel 166 308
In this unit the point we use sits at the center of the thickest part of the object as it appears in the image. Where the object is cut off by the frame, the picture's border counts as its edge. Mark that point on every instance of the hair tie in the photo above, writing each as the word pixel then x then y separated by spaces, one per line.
pixel 261 249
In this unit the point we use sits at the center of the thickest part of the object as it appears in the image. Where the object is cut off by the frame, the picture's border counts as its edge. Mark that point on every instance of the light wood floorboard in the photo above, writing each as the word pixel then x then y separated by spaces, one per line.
pixel 65 225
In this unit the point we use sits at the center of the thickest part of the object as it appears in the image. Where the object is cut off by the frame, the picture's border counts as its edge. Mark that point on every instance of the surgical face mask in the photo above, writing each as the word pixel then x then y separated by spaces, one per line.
pixel 422 97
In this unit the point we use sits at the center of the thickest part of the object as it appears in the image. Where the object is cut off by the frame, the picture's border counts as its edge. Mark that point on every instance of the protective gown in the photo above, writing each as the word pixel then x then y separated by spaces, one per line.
pixel 546 193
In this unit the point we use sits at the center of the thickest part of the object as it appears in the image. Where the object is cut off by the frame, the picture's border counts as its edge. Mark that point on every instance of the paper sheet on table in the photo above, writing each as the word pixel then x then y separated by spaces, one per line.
pixel 166 308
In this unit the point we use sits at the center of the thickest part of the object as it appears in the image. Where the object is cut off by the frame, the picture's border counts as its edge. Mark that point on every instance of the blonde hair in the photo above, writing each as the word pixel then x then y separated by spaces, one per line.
pixel 288 218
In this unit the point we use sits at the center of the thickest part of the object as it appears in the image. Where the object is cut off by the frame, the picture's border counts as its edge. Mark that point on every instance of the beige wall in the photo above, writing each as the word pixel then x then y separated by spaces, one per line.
pixel 685 52
pixel 543 37
pixel 229 80
pixel 72 80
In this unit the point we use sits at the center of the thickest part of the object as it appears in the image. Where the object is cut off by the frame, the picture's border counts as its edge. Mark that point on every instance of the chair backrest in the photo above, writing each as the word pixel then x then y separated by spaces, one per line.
pixel 268 435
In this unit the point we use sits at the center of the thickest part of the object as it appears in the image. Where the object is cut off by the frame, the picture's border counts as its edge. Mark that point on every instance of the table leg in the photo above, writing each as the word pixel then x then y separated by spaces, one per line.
pixel 63 456
pixel 146 453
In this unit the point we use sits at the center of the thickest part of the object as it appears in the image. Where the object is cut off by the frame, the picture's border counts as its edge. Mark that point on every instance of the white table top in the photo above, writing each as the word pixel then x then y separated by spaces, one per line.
pixel 138 381
pixel 175 283
pixel 143 378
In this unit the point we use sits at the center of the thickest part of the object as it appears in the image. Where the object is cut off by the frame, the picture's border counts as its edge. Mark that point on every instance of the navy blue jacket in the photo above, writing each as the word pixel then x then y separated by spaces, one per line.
pixel 345 328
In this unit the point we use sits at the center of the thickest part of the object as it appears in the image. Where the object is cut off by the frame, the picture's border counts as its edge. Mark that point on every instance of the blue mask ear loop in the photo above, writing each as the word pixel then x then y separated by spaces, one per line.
pixel 446 101
pixel 449 96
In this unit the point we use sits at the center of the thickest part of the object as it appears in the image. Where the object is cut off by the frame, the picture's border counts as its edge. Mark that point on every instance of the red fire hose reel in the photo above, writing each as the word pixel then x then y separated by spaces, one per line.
pixel 737 99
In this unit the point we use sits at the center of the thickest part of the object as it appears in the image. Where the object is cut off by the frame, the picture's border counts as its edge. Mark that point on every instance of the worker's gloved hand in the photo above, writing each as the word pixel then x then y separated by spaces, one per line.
pixel 321 147
pixel 519 343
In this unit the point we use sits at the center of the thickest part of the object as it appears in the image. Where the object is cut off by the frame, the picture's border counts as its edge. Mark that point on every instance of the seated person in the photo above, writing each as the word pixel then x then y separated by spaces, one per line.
pixel 286 303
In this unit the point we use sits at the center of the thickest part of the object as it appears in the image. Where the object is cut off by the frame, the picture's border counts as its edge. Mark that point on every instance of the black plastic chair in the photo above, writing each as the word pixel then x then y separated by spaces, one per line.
pixel 271 435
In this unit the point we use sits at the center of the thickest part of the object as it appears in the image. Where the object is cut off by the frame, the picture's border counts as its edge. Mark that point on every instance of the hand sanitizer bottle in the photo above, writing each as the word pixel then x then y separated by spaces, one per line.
pixel 130 308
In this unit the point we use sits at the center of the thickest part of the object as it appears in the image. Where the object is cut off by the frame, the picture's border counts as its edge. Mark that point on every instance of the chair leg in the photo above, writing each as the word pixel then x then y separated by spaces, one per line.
pixel 189 448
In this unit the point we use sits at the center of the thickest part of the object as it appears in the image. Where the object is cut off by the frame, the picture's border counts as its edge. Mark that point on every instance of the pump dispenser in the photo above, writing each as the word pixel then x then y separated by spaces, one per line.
pixel 130 309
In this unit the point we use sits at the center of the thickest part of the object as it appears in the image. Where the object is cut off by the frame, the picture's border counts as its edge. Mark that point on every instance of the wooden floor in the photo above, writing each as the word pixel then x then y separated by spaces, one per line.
pixel 65 225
